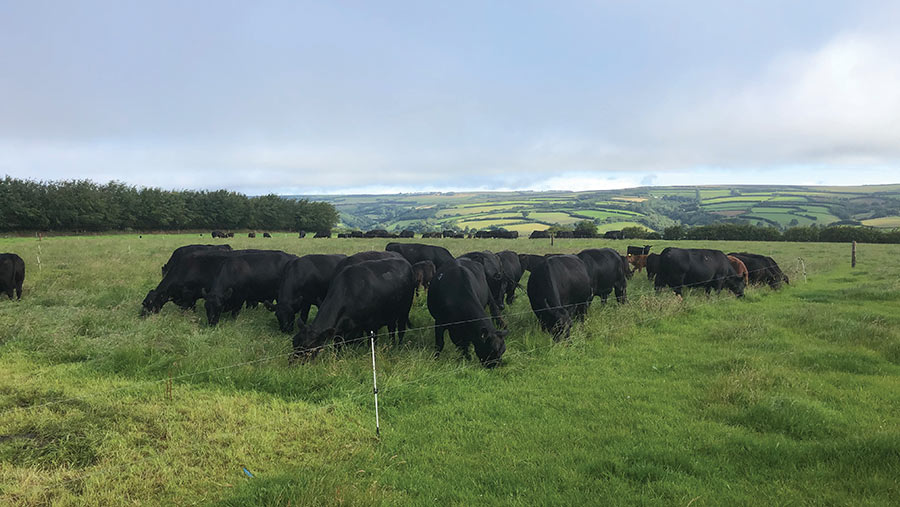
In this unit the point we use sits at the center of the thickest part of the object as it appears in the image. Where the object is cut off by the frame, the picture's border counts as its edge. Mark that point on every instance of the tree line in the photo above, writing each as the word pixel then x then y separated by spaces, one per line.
pixel 82 205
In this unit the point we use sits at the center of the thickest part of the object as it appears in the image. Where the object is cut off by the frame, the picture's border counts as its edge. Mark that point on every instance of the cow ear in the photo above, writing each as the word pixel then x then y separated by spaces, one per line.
pixel 228 293
pixel 203 292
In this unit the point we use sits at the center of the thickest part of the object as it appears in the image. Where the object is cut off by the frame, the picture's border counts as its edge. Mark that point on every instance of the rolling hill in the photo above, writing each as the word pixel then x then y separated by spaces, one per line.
pixel 651 207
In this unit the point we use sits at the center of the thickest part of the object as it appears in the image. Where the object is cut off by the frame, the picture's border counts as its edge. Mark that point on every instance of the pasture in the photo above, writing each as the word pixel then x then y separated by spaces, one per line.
pixel 785 397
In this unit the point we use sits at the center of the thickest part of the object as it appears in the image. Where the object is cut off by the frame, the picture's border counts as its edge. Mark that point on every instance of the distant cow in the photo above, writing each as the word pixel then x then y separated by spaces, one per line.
pixel 304 283
pixel 459 292
pixel 217 234
pixel 415 252
pixel 432 235
pixel 12 274
pixel 406 233
pixel 559 290
pixel 762 269
pixel 424 272
pixel 606 270
pixel 513 271
pixel 362 299
pixel 181 251
pixel 267 235
pixel 739 267
pixel 697 267
pixel 301 234
pixel 230 235
pixel 251 234
pixel 322 234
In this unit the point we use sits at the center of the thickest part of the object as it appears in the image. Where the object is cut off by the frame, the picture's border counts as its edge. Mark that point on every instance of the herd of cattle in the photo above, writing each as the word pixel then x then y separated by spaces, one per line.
pixel 357 295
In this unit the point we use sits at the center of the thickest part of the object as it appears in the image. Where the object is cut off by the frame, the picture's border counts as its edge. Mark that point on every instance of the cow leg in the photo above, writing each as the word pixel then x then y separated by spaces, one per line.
pixel 304 310
pixel 401 328
pixel 392 331
pixel 438 340
pixel 620 295
pixel 9 293
pixel 464 350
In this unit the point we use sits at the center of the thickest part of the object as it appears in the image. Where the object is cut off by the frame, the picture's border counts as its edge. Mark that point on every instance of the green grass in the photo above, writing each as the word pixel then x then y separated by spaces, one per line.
pixel 887 222
pixel 786 397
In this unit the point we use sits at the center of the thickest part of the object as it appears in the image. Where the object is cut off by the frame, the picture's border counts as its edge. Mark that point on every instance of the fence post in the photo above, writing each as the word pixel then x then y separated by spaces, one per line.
pixel 551 239
pixel 853 255
pixel 375 384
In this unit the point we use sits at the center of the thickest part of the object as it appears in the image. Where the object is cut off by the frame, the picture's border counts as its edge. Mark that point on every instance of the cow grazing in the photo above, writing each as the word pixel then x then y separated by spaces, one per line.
pixel 185 280
pixel 304 282
pixel 559 290
pixel 457 297
pixel 652 266
pixel 230 235
pixel 739 267
pixel 513 271
pixel 697 267
pixel 247 276
pixel 493 271
pixel 362 299
pixel 217 234
pixel 267 235
pixel 182 251
pixel 424 272
pixel 251 234
pixel 607 271
pixel 12 274
pixel 762 269
pixel 416 252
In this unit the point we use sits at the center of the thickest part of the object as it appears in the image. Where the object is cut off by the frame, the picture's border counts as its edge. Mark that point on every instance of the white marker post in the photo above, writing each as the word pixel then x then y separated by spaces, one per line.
pixel 375 384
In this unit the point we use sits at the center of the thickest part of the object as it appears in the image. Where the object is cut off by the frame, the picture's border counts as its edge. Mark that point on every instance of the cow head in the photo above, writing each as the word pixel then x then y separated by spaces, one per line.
pixel 736 284
pixel 215 303
pixel 308 342
pixel 285 315
pixel 152 303
pixel 491 346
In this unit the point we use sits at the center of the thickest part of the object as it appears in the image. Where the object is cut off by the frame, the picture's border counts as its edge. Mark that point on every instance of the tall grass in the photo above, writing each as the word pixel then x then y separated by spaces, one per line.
pixel 786 397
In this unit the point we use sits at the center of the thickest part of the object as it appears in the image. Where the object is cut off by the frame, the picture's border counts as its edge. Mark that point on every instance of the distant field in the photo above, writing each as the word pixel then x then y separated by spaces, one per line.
pixel 784 397
pixel 888 222
pixel 647 205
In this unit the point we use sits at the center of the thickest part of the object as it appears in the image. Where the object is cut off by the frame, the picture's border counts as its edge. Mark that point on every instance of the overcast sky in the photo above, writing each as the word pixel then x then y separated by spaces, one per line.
pixel 338 96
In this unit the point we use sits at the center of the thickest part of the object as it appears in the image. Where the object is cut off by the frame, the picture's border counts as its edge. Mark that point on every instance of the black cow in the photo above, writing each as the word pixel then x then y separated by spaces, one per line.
pixel 188 249
pixel 424 271
pixel 762 269
pixel 530 261
pixel 251 234
pixel 304 283
pixel 697 267
pixel 432 235
pixel 230 235
pixel 369 255
pixel 12 274
pixel 513 271
pixel 415 252
pixel 301 234
pixel 406 233
pixel 217 234
pixel 247 276
pixel 361 299
pixel 607 271
pixel 493 270
pixel 652 266
pixel 559 290
pixel 459 292
pixel 185 280
pixel 267 235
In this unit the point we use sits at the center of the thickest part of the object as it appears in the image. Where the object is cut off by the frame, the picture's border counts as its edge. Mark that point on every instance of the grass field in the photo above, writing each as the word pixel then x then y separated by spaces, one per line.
pixel 786 397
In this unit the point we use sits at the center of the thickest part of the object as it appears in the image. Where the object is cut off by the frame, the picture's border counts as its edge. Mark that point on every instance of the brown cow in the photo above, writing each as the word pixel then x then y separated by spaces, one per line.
pixel 739 266
pixel 639 262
